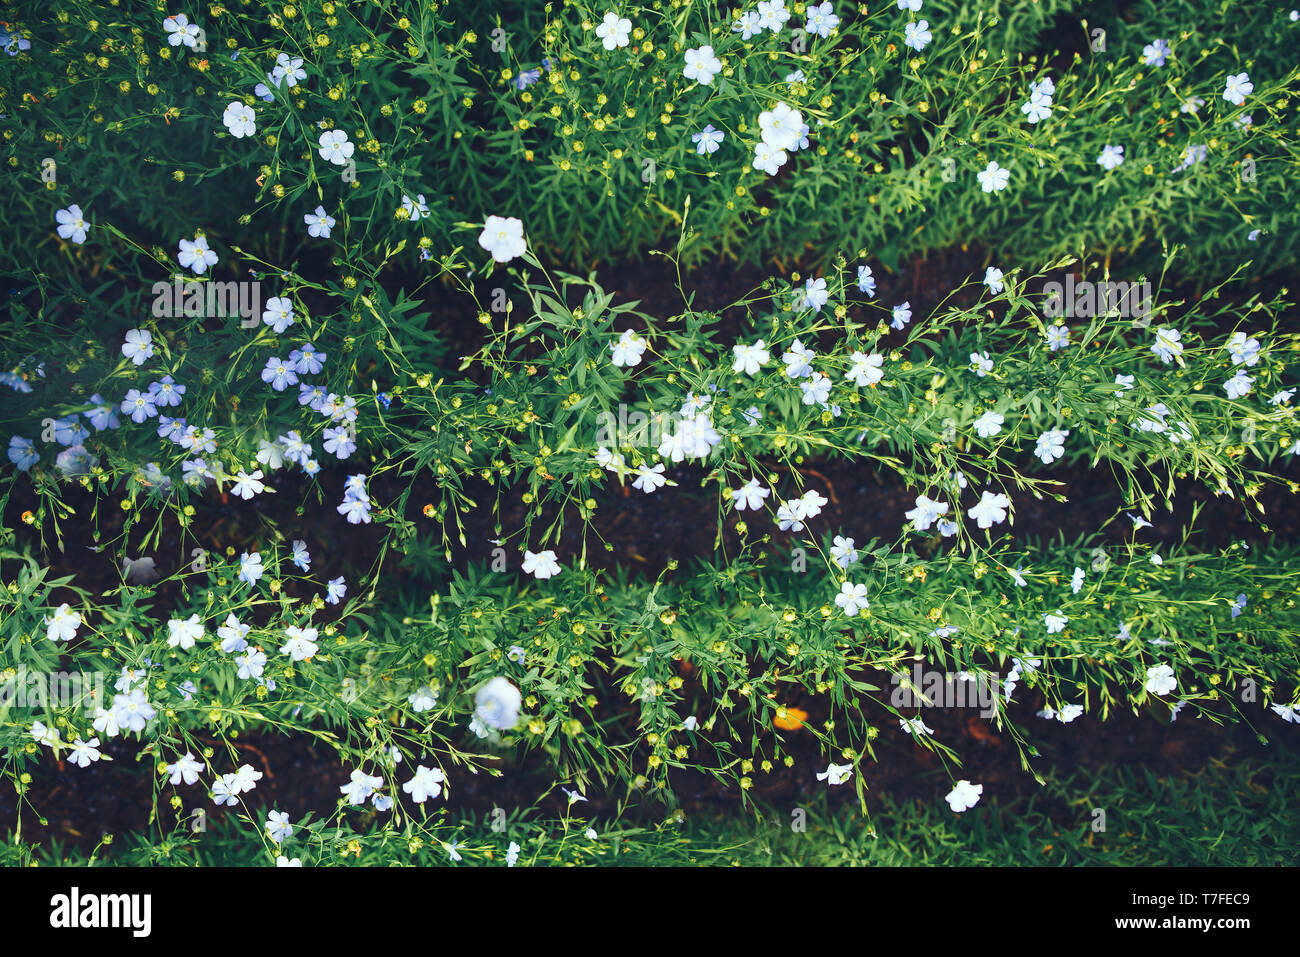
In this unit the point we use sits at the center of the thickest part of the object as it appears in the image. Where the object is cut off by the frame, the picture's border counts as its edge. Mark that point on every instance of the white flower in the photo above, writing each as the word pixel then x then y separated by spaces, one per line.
pixel 780 126
pixel 335 147
pixel 233 635
pixel 748 25
pixel 993 178
pixel 541 564
pixel 989 424
pixel 613 31
pixel 749 359
pixel 707 140
pixel 422 699
pixel 816 390
pixel 1058 338
pixel 649 479
pixel 1152 418
pixel 993 277
pixel 913 5
pixel 251 664
pixel 1238 385
pixel 1168 345
pixel 1110 157
pixel 185 769
pixel 360 786
pixel 1154 53
pixel 63 625
pixel 426 784
pixel 183 634
pixel 250 567
pixel 223 791
pixel 107 721
pixel 821 19
pixel 811 503
pixel 270 454
pixel 71 224
pixel 772 14
pixel 240 120
pixel 609 459
pixel 926 513
pixel 835 773
pixel 1244 349
pixel 1044 87
pixel 1286 713
pixel 416 209
pixel 196 255
pixel 263 92
pixel 798 360
pixel 814 295
pixel 1124 381
pixel 1037 108
pixel 750 495
pixel 1055 623
pixel 1076 580
pixel 1160 680
pixel 246 486
pixel 319 223
pixel 1051 445
pixel 301 644
pixel 915 726
pixel 790 515
pixel 917 35
pixel 180 30
pixel 990 510
pixel 496 704
pixel 49 737
pixel 701 65
pixel 865 370
pixel 843 552
pixel 852 598
pixel 503 238
pixel 1237 88
pixel 693 437
pixel 289 69
pixel 574 796
pixel 245 779
pixel 627 351
pixel 85 752
pixel 278 827
pixel 1069 712
pixel 769 158
pixel 964 796
pixel 902 315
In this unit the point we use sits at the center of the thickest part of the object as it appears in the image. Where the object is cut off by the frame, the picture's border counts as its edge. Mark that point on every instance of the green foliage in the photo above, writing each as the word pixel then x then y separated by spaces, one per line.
pixel 518 428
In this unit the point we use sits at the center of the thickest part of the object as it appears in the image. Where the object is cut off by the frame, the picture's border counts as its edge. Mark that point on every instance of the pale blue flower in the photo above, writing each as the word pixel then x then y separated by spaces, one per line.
pixel 707 140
